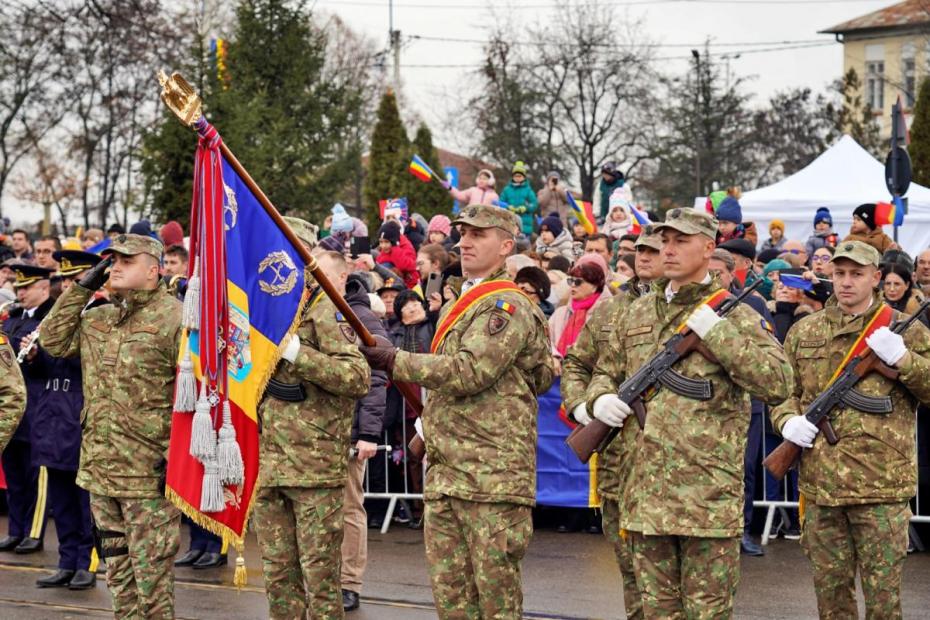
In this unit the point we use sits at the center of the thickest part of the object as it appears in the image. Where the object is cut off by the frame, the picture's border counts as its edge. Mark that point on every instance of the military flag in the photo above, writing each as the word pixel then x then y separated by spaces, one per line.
pixel 246 293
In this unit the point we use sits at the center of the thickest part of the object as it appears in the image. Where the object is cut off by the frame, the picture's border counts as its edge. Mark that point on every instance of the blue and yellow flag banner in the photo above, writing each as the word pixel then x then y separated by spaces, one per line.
pixel 265 296
pixel 561 479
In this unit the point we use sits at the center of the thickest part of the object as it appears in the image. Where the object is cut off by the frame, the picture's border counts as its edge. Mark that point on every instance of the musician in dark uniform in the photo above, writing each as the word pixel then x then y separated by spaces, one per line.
pixel 26 488
pixel 56 446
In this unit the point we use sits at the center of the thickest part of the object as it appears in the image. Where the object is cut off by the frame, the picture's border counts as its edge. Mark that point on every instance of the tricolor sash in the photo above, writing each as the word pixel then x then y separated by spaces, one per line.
pixel 882 318
pixel 468 301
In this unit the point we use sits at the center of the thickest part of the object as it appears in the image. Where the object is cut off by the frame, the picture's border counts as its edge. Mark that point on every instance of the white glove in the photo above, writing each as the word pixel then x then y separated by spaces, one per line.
pixel 291 349
pixel 580 413
pixel 888 346
pixel 703 320
pixel 799 431
pixel 610 410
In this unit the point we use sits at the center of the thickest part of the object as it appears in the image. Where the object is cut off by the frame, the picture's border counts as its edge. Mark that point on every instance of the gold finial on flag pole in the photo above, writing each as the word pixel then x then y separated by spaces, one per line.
pixel 180 97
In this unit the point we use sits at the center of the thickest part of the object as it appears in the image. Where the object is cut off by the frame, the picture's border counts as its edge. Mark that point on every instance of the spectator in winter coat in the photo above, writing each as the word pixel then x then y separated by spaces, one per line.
pixel 588 287
pixel 398 252
pixel 866 230
pixel 431 258
pixel 898 289
pixel 520 198
pixel 611 179
pixel 730 223
pixel 481 194
pixel 554 238
pixel 552 198
pixel 535 283
pixel 617 223
pixel 823 232
pixel 776 236
pixel 367 427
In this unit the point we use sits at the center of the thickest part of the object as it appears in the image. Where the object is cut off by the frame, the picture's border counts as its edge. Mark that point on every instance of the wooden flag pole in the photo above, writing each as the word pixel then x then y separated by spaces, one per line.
pixel 184 102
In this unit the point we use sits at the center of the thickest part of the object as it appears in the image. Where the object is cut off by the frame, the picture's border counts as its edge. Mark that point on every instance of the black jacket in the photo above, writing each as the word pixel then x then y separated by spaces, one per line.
pixel 368 421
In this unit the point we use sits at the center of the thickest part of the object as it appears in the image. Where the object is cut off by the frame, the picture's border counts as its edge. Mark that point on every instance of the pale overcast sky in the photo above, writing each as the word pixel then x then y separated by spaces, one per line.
pixel 683 23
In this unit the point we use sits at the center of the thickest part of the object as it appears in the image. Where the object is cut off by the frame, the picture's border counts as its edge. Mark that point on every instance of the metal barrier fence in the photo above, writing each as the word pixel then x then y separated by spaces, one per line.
pixel 771 506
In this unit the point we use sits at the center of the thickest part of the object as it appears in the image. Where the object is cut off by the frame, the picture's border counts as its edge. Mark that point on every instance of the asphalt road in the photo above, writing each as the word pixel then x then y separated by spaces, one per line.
pixel 565 576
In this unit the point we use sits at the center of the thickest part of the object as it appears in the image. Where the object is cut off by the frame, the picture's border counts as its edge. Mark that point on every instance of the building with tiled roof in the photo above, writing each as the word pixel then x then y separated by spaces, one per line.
pixel 888 49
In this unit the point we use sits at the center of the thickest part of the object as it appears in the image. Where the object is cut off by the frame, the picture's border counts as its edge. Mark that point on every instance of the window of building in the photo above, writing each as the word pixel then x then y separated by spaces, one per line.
pixel 875 84
pixel 909 73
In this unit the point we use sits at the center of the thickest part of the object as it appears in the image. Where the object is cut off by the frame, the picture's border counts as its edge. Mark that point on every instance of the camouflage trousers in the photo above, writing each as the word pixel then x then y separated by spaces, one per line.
pixel 299 532
pixel 474 551
pixel 685 576
pixel 140 538
pixel 610 518
pixel 871 537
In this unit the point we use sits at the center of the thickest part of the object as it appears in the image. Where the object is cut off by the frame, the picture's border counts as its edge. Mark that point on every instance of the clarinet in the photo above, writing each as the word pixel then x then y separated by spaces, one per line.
pixel 33 342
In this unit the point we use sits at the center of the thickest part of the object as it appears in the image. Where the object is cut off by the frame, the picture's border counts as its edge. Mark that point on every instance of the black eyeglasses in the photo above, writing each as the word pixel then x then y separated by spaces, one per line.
pixel 576 281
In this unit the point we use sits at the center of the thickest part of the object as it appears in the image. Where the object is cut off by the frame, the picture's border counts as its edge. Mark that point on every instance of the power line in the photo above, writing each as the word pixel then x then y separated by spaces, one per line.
pixel 615 45
pixel 415 5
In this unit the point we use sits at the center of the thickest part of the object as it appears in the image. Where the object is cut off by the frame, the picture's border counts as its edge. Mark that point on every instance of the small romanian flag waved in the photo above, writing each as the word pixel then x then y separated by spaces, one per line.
pixel 640 220
pixel 420 169
pixel 889 213
pixel 584 211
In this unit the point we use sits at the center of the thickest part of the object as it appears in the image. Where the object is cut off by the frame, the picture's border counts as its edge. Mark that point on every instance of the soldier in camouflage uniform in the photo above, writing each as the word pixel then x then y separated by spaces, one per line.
pixel 682 502
pixel 614 464
pixel 306 424
pixel 12 392
pixel 491 361
pixel 856 492
pixel 128 355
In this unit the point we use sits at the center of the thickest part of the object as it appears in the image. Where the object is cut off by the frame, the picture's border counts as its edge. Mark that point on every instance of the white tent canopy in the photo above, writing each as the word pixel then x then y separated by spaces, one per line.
pixel 841 178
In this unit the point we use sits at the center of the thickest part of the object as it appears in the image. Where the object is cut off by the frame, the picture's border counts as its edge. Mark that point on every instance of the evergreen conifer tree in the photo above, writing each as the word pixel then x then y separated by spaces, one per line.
pixel 919 148
pixel 431 198
pixel 388 158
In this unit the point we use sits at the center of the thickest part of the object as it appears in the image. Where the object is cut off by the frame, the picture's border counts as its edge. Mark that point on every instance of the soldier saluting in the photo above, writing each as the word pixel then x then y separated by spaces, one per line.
pixel 683 502
pixel 490 359
pixel 856 492
pixel 128 355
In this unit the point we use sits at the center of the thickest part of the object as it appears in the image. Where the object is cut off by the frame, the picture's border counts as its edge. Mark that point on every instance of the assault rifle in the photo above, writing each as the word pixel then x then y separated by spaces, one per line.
pixel 841 392
pixel 596 436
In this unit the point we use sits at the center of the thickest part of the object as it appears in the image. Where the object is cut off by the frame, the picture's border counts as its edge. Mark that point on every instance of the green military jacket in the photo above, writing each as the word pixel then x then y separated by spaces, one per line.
pixel 687 470
pixel 12 392
pixel 306 444
pixel 129 352
pixel 614 464
pixel 875 460
pixel 480 420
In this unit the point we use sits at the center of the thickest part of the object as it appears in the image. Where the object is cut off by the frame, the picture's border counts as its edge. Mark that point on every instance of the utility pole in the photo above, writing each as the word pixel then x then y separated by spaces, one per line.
pixel 395 44
pixel 697 123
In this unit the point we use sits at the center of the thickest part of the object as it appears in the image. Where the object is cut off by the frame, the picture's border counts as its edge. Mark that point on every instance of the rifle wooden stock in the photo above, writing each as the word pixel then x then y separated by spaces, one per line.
pixel 595 436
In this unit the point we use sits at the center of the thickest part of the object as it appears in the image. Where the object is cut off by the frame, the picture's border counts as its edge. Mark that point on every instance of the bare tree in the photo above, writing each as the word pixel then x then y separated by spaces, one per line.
pixel 49 184
pixel 29 60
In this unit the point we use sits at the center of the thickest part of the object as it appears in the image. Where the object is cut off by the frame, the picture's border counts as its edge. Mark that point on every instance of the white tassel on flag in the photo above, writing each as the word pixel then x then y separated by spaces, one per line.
pixel 190 315
pixel 228 453
pixel 211 493
pixel 185 389
pixel 203 434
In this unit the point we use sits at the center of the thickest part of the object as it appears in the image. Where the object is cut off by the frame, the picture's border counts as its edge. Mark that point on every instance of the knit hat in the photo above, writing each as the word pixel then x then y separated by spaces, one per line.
pixel 730 210
pixel 780 225
pixel 823 215
pixel 552 223
pixel 172 234
pixel 144 227
pixel 775 265
pixel 332 244
pixel 390 231
pixel 767 255
pixel 537 278
pixel 342 222
pixel 518 168
pixel 866 213
pixel 597 259
pixel 440 223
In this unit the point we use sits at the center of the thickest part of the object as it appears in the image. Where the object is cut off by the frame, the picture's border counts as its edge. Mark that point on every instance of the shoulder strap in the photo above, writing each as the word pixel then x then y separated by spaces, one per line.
pixel 471 298
pixel 881 318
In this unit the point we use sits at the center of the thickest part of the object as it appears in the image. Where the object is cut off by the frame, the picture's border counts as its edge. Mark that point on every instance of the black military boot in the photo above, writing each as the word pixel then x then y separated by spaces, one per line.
pixel 10 542
pixel 29 545
pixel 83 580
pixel 60 579
pixel 189 558
pixel 349 600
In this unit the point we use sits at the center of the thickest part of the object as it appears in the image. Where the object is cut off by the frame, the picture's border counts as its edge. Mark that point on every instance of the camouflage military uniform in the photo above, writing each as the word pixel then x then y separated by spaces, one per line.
pixel 480 430
pixel 12 392
pixel 684 496
pixel 614 464
pixel 857 491
pixel 128 355
pixel 302 469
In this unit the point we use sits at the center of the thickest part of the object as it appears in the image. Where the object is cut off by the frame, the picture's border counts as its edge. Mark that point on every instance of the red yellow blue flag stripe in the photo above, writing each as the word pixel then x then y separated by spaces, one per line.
pixel 420 169
pixel 584 212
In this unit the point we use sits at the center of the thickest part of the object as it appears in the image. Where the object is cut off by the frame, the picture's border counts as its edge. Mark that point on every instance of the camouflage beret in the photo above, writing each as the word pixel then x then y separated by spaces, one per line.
pixel 130 244
pixel 488 216
pixel 689 222
pixel 857 252
pixel 649 238
pixel 304 230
